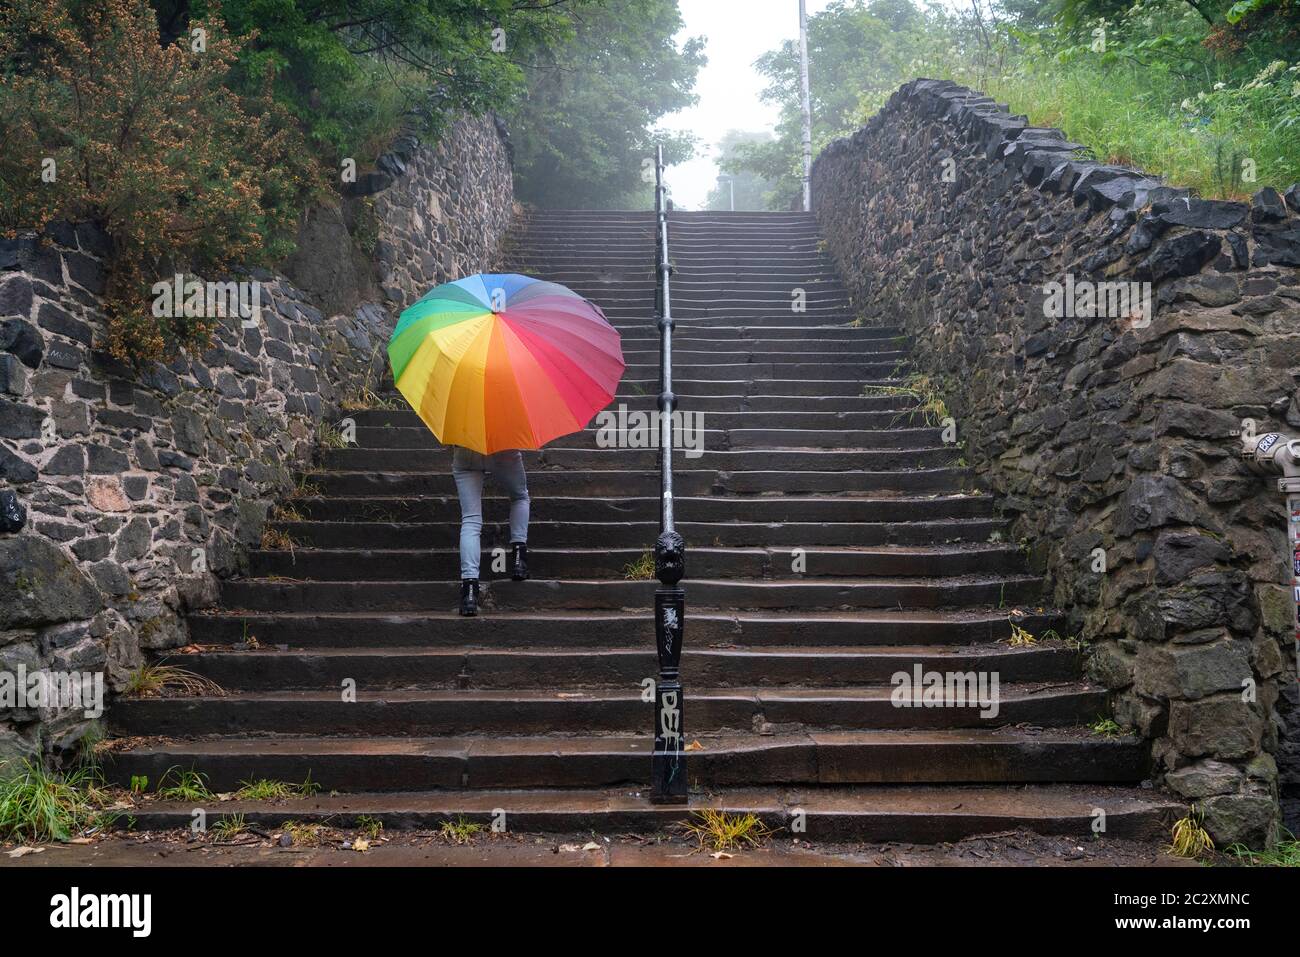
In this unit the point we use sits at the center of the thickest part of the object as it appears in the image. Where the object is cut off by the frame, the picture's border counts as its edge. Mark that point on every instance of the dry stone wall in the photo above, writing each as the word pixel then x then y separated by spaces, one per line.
pixel 1108 431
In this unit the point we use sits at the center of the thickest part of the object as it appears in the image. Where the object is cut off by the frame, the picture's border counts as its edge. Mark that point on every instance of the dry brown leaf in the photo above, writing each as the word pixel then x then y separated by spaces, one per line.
pixel 23 851
pixel 694 746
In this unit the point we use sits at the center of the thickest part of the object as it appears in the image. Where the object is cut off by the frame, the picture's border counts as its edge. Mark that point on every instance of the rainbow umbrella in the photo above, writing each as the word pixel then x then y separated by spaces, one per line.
pixel 503 361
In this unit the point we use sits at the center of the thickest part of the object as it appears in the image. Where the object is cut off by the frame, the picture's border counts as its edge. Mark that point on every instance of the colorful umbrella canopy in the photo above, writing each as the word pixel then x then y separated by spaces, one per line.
pixel 503 361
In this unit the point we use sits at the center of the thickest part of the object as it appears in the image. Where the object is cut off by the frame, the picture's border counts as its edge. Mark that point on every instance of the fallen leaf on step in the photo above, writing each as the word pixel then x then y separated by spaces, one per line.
pixel 81 840
pixel 694 746
pixel 23 851
pixel 591 846
pixel 361 844
pixel 569 848
pixel 721 856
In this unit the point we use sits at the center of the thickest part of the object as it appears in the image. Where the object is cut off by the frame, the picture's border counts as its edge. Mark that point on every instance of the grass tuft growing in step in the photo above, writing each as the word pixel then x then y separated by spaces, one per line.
pixel 151 681
pixel 303 834
pixel 719 831
pixel 328 437
pixel 1189 838
pixel 459 831
pixel 278 540
pixel 1020 637
pixel 643 569
pixel 266 790
pixel 923 388
pixel 1106 728
pixel 183 785
pixel 37 804
pixel 231 826
pixel 371 827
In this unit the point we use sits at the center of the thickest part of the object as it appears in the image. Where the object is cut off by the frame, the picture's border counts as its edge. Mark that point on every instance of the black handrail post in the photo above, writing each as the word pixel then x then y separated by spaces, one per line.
pixel 668 783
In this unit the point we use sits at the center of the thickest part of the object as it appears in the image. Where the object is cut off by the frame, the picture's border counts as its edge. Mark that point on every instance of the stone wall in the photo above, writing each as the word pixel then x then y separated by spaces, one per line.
pixel 1111 440
pixel 140 490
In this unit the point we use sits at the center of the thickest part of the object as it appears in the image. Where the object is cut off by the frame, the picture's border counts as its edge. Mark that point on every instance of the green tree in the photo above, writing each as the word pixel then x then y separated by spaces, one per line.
pixel 587 125
pixel 751 190
pixel 858 52
pixel 102 123
pixel 349 68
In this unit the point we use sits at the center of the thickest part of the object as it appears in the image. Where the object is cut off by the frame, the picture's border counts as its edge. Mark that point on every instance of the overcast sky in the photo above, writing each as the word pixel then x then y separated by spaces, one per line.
pixel 737 32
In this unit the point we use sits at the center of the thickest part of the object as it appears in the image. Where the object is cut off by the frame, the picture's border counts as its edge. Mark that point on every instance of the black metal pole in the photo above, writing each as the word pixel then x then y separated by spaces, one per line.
pixel 668 783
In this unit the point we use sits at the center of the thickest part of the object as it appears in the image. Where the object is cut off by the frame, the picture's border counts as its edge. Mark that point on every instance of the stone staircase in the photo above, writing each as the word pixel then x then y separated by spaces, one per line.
pixel 833 541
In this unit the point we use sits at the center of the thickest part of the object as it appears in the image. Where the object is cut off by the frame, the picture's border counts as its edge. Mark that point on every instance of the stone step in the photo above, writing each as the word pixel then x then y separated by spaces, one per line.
pixel 516 711
pixel 745 385
pixel 642 434
pixel 597 629
pixel 635 251
pixel 398 422
pixel 636 273
pixel 730 351
pixel 542 534
pixel 642 322
pixel 442 564
pixel 921 814
pixel 643 482
pixel 352 764
pixel 784 508
pixel 399 413
pixel 874 367
pixel 637 281
pixel 740 333
pixel 610 594
pixel 793 459
pixel 550 668
pixel 689 356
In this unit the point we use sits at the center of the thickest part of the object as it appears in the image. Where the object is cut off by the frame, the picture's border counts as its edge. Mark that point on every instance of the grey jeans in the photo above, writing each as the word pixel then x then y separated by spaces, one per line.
pixel 469 469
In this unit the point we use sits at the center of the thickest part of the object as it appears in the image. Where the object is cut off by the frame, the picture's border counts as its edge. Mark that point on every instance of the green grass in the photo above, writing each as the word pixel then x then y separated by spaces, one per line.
pixel 179 785
pixel 643 569
pixel 229 827
pixel 37 804
pixel 263 789
pixel 1135 117
pixel 1106 728
pixel 459 831
pixel 1285 853
pixel 719 831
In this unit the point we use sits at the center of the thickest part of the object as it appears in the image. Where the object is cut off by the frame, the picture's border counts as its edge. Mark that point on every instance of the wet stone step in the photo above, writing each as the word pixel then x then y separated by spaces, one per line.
pixel 859 813
pixel 551 668
pixel 639 411
pixel 688 509
pixel 641 534
pixel 443 564
pixel 693 435
pixel 537 594
pixel 837 758
pixel 523 712
pixel 793 459
pixel 601 629
pixel 644 482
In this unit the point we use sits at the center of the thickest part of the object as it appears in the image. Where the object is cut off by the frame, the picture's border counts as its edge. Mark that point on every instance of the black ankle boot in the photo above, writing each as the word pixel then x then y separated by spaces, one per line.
pixel 520 561
pixel 469 597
